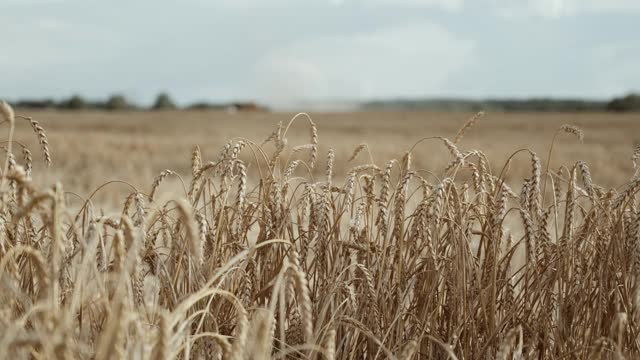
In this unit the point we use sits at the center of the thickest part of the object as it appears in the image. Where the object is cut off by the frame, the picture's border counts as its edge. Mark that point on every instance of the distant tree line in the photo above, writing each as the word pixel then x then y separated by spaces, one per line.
pixel 628 103
pixel 119 102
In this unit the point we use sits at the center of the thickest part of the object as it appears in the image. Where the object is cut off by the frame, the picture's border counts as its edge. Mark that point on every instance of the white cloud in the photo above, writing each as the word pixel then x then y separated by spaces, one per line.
pixel 411 60
pixel 51 24
pixel 33 2
pixel 561 8
pixel 449 5
pixel 47 41
pixel 611 5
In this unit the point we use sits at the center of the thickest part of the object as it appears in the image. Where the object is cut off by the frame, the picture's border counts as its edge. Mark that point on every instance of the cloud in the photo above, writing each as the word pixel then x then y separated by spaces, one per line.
pixel 407 61
pixel 561 8
pixel 448 5
pixel 359 49
pixel 33 2
pixel 51 24
pixel 49 40
pixel 609 5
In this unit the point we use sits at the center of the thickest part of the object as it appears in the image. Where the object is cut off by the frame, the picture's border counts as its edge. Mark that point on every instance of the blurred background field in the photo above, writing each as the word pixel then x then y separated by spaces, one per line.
pixel 90 148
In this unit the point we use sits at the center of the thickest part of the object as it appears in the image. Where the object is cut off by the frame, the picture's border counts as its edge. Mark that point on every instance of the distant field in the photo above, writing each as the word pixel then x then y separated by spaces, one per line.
pixel 92 147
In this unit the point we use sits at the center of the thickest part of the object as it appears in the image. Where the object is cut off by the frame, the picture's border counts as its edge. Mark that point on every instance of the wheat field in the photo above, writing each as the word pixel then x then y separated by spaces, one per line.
pixel 91 147
pixel 336 236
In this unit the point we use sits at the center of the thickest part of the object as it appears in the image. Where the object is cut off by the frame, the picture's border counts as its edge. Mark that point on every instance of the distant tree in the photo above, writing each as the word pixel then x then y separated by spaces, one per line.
pixel 206 106
pixel 163 102
pixel 36 103
pixel 117 102
pixel 628 103
pixel 75 102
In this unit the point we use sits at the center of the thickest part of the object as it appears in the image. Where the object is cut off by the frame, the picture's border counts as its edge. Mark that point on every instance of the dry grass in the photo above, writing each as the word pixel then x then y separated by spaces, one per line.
pixel 261 255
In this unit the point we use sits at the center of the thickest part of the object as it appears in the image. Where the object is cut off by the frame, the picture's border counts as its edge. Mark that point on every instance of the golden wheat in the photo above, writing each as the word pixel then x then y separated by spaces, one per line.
pixel 258 259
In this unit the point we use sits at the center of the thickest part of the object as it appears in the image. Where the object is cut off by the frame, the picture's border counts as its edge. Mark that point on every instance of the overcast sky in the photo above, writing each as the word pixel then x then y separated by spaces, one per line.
pixel 282 51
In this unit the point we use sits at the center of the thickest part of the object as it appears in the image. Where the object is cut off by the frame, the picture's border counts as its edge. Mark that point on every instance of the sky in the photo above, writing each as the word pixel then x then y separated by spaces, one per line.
pixel 282 52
